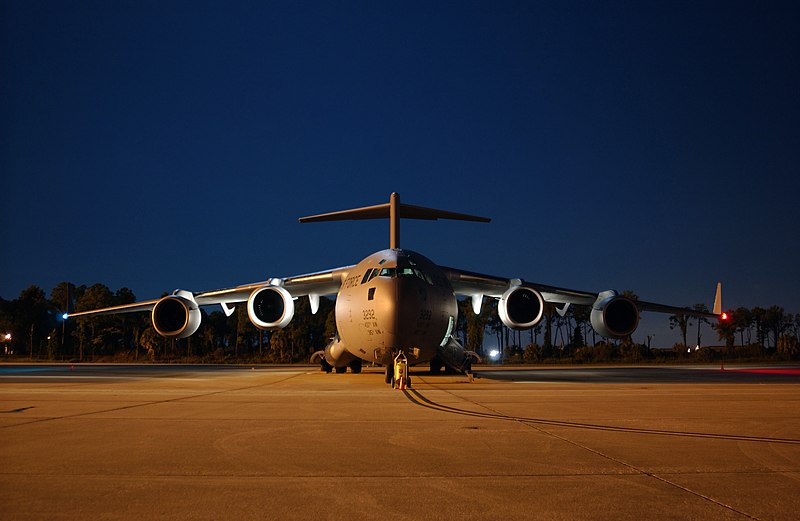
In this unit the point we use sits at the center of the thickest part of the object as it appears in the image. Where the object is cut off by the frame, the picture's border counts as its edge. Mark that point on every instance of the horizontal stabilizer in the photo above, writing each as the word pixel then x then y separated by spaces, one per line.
pixel 394 211
pixel 382 211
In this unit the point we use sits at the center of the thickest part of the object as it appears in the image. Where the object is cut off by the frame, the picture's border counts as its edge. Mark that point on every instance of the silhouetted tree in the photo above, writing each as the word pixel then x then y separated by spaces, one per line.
pixel 757 314
pixel 33 317
pixel 742 320
pixel 681 321
pixel 62 299
pixel 726 330
pixel 94 331
pixel 475 325
pixel 700 320
pixel 581 316
pixel 775 323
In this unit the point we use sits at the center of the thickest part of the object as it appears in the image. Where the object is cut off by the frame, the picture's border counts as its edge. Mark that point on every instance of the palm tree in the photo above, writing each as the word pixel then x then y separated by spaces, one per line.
pixel 681 321
pixel 700 320
pixel 742 319
pixel 774 322
pixel 757 315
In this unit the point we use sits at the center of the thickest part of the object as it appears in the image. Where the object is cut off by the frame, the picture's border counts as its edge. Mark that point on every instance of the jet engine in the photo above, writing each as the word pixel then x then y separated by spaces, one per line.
pixel 520 307
pixel 270 307
pixel 176 316
pixel 614 316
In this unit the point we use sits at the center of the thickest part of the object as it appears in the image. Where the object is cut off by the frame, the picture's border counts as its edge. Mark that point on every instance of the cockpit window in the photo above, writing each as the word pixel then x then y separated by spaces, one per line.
pixel 408 271
pixel 414 272
pixel 424 276
pixel 370 274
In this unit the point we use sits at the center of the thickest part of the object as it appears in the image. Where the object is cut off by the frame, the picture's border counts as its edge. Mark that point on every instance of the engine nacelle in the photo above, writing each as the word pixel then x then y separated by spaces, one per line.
pixel 520 307
pixel 270 307
pixel 614 316
pixel 334 354
pixel 176 316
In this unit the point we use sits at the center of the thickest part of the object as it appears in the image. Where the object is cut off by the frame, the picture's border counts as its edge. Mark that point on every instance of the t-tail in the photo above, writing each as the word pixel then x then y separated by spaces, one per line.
pixel 394 210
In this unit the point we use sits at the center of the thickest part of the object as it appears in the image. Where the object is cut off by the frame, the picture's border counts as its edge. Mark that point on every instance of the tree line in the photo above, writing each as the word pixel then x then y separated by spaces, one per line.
pixel 37 330
pixel 31 327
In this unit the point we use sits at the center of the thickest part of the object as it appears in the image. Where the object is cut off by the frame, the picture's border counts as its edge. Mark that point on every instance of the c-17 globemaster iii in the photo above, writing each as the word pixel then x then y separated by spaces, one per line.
pixel 396 301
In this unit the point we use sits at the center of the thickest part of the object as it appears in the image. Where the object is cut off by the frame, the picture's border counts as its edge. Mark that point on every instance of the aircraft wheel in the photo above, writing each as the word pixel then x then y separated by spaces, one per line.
pixel 326 366
pixel 436 366
pixel 355 366
pixel 388 376
pixel 340 370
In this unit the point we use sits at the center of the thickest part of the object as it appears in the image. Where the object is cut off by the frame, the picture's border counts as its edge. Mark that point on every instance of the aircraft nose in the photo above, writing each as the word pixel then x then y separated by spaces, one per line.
pixel 413 297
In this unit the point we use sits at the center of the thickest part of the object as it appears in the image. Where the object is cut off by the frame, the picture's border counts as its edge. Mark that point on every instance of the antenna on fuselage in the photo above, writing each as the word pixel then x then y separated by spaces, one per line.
pixel 394 210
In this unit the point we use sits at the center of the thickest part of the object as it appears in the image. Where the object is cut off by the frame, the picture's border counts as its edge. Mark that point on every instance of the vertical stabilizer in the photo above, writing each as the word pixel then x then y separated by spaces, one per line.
pixel 394 220
pixel 718 300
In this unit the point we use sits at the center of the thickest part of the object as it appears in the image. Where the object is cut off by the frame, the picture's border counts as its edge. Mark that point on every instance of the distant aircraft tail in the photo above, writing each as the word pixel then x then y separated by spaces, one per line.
pixel 718 300
pixel 395 211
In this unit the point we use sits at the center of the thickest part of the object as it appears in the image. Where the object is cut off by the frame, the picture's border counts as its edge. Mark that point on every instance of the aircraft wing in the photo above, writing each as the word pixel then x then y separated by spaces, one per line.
pixel 477 284
pixel 145 305
pixel 319 283
pixel 310 284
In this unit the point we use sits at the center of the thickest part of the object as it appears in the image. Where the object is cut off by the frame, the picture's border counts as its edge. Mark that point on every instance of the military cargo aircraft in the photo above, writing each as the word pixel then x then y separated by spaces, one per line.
pixel 396 301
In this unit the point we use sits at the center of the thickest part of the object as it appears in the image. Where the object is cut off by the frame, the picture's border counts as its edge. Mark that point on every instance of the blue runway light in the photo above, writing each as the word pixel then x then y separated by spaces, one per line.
pixel 65 316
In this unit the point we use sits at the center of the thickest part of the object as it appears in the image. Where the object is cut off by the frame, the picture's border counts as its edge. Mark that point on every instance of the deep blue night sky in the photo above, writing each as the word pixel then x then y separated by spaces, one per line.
pixel 162 145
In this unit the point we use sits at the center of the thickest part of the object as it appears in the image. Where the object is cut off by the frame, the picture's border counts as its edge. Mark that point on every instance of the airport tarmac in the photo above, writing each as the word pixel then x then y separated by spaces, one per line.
pixel 222 442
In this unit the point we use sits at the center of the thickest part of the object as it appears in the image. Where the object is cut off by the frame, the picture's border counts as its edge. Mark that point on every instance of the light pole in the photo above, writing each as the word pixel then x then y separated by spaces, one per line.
pixel 7 340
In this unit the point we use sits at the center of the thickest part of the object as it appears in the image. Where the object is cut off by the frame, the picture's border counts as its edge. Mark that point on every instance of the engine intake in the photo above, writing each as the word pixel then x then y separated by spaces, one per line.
pixel 614 316
pixel 271 307
pixel 176 316
pixel 520 307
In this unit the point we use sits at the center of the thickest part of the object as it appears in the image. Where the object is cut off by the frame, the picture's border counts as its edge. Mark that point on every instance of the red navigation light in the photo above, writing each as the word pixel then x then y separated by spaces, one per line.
pixel 723 316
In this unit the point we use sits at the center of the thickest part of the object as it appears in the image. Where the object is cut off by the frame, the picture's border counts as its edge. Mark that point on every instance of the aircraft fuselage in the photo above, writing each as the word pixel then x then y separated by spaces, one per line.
pixel 395 300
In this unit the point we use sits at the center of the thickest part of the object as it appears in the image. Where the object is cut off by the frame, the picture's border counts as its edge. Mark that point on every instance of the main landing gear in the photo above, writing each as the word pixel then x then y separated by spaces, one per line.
pixel 319 357
pixel 354 365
